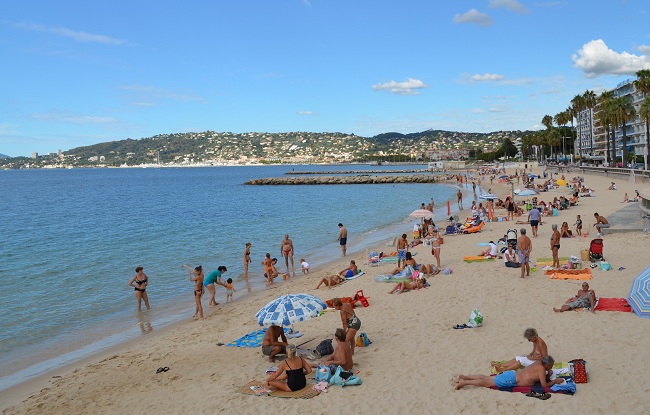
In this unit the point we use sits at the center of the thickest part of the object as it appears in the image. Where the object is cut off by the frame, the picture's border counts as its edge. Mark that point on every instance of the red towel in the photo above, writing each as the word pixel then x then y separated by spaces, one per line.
pixel 613 304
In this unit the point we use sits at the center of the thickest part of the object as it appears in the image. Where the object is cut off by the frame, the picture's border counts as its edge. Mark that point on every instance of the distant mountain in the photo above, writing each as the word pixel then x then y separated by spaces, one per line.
pixel 4 156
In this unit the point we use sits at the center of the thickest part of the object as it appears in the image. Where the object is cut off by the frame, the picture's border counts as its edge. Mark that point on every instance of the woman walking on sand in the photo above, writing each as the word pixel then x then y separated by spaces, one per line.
pixel 140 282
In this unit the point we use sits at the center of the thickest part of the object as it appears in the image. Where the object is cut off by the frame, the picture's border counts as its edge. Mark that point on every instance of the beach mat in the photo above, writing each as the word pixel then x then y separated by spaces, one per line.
pixel 542 262
pixel 477 258
pixel 525 389
pixel 569 274
pixel 306 393
pixel 253 339
pixel 613 304
pixel 556 366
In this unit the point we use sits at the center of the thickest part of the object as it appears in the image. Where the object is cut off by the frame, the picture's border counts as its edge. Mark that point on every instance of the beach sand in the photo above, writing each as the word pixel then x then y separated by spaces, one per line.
pixel 415 352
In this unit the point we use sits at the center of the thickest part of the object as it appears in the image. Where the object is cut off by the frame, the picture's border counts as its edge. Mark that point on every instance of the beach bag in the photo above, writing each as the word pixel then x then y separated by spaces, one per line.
pixel 605 266
pixel 323 374
pixel 325 347
pixel 343 378
pixel 362 340
pixel 475 318
pixel 578 368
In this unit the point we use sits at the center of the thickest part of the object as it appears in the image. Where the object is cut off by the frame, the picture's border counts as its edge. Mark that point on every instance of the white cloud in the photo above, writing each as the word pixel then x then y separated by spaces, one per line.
pixel 82 37
pixel 644 49
pixel 486 77
pixel 408 87
pixel 473 16
pixel 306 113
pixel 596 59
pixel 148 96
pixel 72 118
pixel 512 5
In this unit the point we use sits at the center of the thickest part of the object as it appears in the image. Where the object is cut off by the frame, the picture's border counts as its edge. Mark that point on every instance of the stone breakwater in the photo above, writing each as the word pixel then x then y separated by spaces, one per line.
pixel 416 178
pixel 359 172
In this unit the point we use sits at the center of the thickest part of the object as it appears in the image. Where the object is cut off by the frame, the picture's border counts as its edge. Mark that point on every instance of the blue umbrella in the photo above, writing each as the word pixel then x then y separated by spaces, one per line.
pixel 532 175
pixel 527 192
pixel 639 297
pixel 289 309
pixel 505 176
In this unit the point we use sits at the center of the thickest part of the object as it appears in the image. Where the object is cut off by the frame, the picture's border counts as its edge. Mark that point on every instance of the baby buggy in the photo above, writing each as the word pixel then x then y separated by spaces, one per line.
pixel 596 250
pixel 511 238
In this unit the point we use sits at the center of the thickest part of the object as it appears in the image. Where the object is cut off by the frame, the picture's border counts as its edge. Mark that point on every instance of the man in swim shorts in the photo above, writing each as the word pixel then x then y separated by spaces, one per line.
pixel 402 247
pixel 534 217
pixel 585 298
pixel 272 345
pixel 601 223
pixel 286 250
pixel 524 248
pixel 537 372
pixel 343 237
pixel 350 271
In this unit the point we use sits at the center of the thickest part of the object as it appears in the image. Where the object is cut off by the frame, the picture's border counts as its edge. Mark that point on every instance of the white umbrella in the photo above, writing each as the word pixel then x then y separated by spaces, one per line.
pixel 488 196
pixel 422 213
pixel 527 192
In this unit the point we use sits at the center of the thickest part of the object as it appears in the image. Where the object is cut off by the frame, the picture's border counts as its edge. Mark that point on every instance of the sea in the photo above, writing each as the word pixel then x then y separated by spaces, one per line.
pixel 70 240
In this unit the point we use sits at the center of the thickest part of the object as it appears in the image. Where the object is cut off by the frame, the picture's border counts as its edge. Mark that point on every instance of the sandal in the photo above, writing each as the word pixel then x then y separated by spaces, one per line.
pixel 460 326
pixel 162 369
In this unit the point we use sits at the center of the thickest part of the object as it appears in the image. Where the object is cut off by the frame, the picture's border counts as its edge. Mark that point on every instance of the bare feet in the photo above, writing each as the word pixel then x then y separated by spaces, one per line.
pixel 557 310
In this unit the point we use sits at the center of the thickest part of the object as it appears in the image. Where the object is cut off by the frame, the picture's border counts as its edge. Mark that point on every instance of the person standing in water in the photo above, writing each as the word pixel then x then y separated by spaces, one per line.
pixel 198 290
pixel 247 258
pixel 140 282
pixel 286 250
pixel 343 238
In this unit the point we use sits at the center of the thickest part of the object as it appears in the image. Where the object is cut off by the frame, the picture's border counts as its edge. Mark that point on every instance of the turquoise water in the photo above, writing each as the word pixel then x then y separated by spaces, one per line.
pixel 71 239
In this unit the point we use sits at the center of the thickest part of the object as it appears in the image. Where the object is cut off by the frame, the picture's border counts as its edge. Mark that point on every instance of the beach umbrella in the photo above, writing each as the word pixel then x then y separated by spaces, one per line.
pixel 532 175
pixel 289 309
pixel 527 192
pixel 639 297
pixel 448 208
pixel 422 213
pixel 561 182
pixel 505 176
pixel 488 196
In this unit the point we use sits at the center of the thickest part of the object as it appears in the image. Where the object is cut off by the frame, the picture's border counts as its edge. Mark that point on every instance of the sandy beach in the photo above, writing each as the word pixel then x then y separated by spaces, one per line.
pixel 415 354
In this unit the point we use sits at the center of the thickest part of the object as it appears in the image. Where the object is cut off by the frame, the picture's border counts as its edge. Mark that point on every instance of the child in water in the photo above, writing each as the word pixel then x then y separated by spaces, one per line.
pixel 304 265
pixel 229 290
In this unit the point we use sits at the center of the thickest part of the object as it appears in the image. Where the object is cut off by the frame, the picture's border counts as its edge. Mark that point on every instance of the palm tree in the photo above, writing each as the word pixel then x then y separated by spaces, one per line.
pixel 606 117
pixel 571 113
pixel 561 119
pixel 623 111
pixel 644 112
pixel 578 105
pixel 642 84
pixel 590 102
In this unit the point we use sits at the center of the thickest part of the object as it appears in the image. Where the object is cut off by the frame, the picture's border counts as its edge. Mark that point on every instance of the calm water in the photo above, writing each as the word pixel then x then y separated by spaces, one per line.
pixel 70 240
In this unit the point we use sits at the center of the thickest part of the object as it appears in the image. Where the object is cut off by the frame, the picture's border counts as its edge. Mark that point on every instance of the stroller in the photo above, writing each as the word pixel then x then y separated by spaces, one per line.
pixel 511 238
pixel 596 250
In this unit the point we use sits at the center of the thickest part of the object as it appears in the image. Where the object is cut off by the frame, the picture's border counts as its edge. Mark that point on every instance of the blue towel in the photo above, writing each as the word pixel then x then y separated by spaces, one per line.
pixel 253 339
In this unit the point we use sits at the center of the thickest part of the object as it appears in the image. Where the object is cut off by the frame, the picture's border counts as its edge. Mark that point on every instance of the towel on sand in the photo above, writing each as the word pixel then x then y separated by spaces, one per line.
pixel 253 339
pixel 569 274
pixel 477 258
pixel 613 304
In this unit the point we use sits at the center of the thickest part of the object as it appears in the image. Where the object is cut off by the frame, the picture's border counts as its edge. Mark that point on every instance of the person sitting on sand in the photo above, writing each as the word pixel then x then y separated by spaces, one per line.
pixel 350 271
pixel 510 258
pixel 342 355
pixel 612 186
pixel 539 371
pixel 585 298
pixel 271 345
pixel 565 232
pixel 290 375
pixel 330 281
pixel 404 286
pixel 491 251
pixel 539 351
pixel 408 262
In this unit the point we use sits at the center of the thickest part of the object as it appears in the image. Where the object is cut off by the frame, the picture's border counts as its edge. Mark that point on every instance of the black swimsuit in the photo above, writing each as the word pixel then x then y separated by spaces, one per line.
pixel 138 282
pixel 296 379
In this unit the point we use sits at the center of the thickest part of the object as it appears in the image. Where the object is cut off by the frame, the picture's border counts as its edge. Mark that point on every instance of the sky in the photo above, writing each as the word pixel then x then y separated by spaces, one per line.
pixel 76 73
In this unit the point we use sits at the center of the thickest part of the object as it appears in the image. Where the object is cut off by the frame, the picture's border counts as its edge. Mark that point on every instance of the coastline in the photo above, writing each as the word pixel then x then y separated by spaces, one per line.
pixel 425 346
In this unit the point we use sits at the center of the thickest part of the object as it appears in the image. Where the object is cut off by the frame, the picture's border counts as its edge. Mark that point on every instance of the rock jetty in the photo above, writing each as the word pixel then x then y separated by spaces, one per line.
pixel 359 171
pixel 365 179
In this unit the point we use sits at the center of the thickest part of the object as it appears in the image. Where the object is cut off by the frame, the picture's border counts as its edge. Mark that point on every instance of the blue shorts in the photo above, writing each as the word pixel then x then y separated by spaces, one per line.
pixel 349 274
pixel 401 254
pixel 507 379
pixel 343 241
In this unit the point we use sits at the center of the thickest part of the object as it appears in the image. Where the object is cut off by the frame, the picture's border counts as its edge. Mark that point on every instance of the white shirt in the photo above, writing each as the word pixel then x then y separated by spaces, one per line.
pixel 493 250
pixel 508 258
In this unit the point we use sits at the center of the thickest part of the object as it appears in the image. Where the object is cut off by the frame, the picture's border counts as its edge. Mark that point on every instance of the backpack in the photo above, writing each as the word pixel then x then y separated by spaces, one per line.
pixel 325 347
pixel 362 340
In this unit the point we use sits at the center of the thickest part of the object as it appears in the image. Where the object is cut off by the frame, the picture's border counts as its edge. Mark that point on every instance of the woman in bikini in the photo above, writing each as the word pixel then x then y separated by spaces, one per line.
pixel 436 241
pixel 404 286
pixel 140 282
pixel 198 289
pixel 247 258
pixel 350 321
pixel 291 374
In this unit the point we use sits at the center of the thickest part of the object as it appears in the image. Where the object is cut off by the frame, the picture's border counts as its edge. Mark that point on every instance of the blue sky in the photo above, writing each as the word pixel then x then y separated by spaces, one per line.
pixel 76 73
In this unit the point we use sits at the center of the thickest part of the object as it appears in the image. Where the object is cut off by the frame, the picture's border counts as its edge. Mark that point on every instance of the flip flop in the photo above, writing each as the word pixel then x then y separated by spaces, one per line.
pixel 162 369
pixel 460 326
pixel 544 396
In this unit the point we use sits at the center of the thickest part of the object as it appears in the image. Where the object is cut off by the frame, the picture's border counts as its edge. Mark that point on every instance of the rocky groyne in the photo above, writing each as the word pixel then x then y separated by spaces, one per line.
pixel 358 172
pixel 364 179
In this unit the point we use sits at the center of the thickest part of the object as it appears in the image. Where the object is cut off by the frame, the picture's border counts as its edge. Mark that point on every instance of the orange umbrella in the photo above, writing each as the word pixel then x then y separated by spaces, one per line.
pixel 448 208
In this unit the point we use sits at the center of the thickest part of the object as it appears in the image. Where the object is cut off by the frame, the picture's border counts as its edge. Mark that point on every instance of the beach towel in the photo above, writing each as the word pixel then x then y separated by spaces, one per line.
pixel 256 387
pixel 569 274
pixel 560 368
pixel 535 388
pixel 542 262
pixel 477 258
pixel 253 339
pixel 355 276
pixel 348 300
pixel 613 304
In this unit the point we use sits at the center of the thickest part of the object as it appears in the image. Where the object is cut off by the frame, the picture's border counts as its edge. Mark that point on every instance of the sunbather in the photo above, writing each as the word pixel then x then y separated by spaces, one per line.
pixel 330 281
pixel 404 286
pixel 408 262
pixel 585 298
pixel 539 351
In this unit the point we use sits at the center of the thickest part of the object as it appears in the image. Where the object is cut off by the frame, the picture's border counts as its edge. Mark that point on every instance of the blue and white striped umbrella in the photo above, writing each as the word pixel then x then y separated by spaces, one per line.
pixel 639 297
pixel 289 309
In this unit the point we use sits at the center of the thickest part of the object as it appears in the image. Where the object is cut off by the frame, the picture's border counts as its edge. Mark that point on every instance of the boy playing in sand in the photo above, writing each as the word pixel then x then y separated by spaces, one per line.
pixel 578 226
pixel 229 290
pixel 304 265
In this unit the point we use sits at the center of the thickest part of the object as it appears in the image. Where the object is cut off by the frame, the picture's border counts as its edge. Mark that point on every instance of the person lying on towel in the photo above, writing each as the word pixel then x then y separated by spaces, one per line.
pixel 537 372
pixel 585 298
